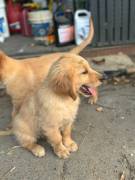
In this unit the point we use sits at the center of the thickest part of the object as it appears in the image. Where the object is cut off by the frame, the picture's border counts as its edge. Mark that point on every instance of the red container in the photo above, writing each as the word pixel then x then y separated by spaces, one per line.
pixel 13 16
pixel 26 28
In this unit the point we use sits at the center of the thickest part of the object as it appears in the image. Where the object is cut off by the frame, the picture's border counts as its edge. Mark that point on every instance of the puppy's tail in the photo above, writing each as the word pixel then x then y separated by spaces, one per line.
pixel 6 132
pixel 87 41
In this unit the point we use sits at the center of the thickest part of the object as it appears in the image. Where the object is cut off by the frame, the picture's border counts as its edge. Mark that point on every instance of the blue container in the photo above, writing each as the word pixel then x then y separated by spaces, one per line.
pixel 41 29
pixel 1 25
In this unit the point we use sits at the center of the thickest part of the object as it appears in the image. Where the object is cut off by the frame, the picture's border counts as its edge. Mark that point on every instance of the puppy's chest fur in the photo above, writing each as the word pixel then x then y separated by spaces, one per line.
pixel 56 110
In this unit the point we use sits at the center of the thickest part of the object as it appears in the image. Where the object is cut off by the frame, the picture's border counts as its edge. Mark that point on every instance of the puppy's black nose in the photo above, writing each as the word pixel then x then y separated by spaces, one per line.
pixel 102 77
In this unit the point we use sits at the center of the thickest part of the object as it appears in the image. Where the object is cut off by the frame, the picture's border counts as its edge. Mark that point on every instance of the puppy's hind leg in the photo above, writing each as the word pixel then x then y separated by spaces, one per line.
pixel 36 149
pixel 15 110
pixel 67 140
pixel 55 139
pixel 27 139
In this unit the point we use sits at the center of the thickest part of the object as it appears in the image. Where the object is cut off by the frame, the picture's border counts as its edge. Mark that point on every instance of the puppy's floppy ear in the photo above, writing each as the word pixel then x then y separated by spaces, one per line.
pixel 63 82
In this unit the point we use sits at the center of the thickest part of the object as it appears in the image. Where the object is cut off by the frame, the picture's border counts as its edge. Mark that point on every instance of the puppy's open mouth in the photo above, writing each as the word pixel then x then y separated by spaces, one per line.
pixel 87 91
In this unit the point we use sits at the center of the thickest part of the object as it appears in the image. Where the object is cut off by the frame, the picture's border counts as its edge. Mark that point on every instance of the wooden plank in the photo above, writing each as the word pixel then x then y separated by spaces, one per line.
pixel 132 21
pixel 110 12
pixel 94 10
pixel 125 12
pixel 87 5
pixel 117 14
pixel 102 21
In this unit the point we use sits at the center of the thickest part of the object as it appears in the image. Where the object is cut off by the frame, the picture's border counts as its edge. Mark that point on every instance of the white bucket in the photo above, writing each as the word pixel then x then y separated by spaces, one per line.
pixel 40 16
pixel 82 25
pixel 4 30
pixel 41 22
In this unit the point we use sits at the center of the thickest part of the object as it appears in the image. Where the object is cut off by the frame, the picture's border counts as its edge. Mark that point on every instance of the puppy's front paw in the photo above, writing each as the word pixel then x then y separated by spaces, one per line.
pixel 71 146
pixel 92 100
pixel 62 152
pixel 38 151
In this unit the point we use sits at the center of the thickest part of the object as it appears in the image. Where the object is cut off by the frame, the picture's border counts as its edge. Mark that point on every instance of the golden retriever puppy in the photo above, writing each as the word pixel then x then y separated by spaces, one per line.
pixel 23 76
pixel 51 110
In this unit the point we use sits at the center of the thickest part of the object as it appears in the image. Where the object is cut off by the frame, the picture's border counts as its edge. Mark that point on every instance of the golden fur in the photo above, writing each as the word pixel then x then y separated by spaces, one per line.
pixel 51 110
pixel 23 76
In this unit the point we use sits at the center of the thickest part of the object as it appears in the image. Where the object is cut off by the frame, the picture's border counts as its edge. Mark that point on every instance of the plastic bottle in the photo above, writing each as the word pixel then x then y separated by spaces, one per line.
pixel 64 26
pixel 82 24
pixel 4 31
pixel 26 29
pixel 13 15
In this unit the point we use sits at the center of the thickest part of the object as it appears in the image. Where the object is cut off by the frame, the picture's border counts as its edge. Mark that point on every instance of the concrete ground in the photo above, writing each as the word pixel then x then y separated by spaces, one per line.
pixel 106 143
pixel 106 139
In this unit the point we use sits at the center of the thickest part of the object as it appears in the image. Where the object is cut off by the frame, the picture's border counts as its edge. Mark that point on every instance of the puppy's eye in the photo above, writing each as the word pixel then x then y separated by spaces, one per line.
pixel 85 72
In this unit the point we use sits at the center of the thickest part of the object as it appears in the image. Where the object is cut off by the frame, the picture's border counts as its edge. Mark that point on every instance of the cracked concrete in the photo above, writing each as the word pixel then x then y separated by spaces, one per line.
pixel 106 143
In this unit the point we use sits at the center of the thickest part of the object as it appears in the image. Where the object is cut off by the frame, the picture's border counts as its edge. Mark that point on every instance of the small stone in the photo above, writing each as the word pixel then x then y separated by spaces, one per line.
pixel 115 83
pixel 32 45
pixel 21 50
pixel 124 147
pixel 99 109
pixel 116 79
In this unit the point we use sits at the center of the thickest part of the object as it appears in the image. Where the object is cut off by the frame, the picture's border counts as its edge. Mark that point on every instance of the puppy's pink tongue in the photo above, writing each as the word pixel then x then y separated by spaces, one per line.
pixel 93 91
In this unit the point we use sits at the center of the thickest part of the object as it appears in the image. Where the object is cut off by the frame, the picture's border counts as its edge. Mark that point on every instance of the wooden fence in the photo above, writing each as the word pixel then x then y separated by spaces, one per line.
pixel 114 21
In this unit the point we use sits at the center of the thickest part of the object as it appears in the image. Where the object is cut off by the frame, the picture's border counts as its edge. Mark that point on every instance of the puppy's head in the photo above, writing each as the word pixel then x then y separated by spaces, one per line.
pixel 72 74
